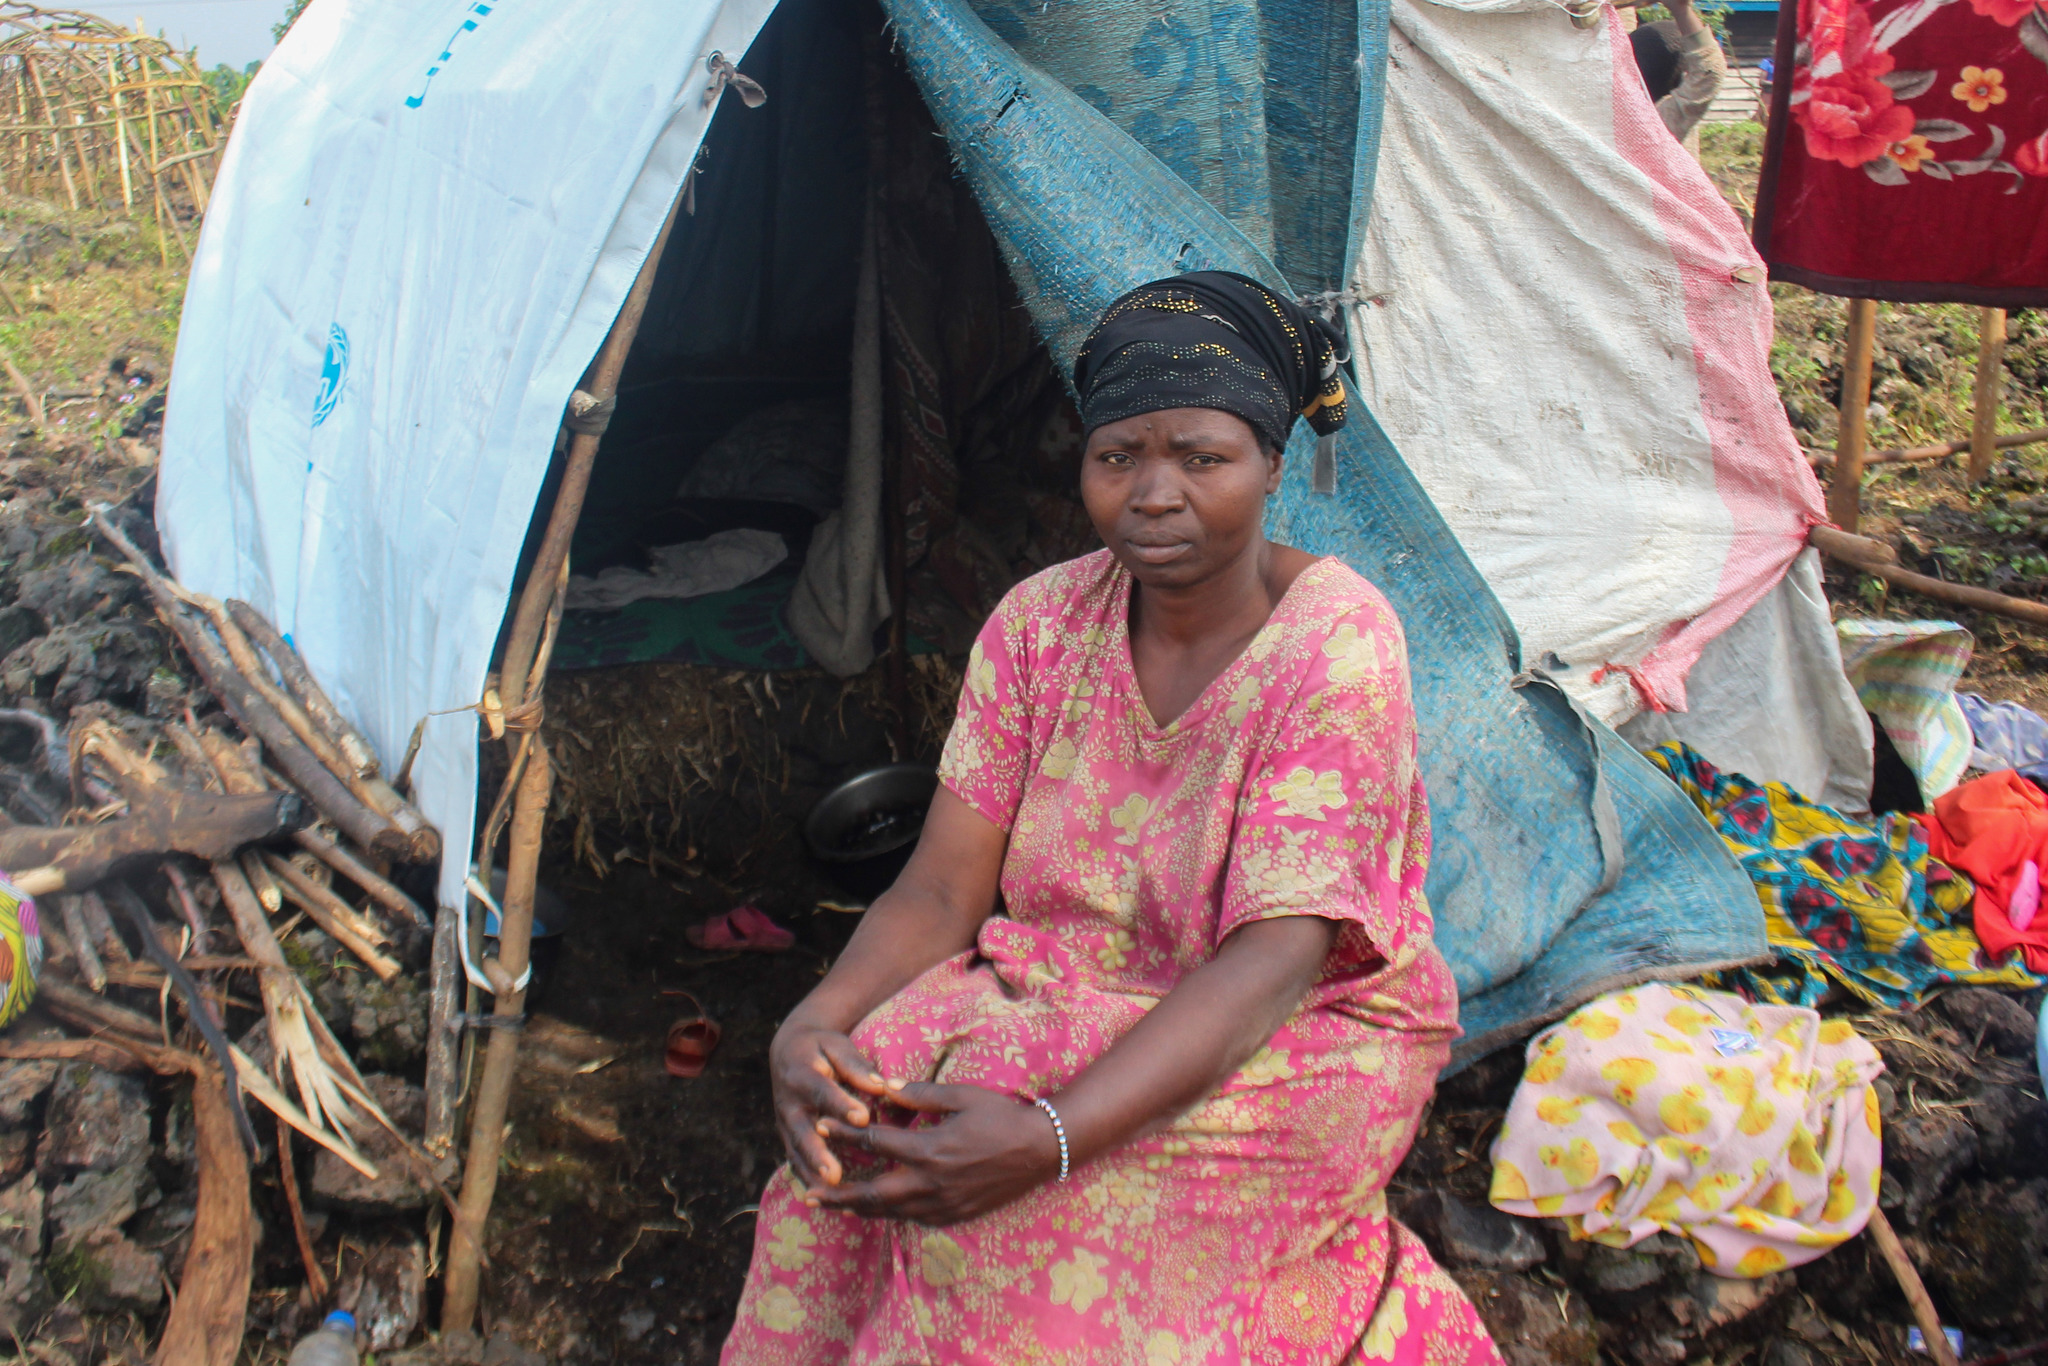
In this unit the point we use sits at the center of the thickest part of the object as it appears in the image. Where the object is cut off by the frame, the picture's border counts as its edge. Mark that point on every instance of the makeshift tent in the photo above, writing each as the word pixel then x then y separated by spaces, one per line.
pixel 430 215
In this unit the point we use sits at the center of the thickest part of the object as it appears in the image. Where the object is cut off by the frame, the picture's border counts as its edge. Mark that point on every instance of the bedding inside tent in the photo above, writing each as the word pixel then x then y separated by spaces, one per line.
pixel 729 444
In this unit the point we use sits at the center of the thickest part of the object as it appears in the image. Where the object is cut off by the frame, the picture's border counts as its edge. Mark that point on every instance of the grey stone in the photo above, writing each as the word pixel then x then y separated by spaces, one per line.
pixel 2012 1132
pixel 1469 1235
pixel 17 1154
pixel 1785 1352
pixel 2001 1022
pixel 109 1272
pixel 22 1084
pixel 97 1121
pixel 392 1292
pixel 397 1185
pixel 1659 1259
pixel 1996 1237
pixel 501 1350
pixel 1533 1325
pixel 384 1022
pixel 165 1228
pixel 24 1291
pixel 1925 1152
pixel 636 1324
pixel 92 1202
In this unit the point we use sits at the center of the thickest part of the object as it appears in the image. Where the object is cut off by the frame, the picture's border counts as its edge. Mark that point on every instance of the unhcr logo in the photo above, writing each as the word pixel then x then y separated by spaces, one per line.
pixel 333 373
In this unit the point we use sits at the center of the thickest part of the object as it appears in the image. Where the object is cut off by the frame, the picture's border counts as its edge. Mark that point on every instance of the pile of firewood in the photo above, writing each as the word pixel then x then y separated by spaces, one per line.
pixel 283 805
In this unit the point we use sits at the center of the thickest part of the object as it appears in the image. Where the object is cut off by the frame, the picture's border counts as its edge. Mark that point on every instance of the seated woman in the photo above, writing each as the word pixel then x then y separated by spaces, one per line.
pixel 1147 1113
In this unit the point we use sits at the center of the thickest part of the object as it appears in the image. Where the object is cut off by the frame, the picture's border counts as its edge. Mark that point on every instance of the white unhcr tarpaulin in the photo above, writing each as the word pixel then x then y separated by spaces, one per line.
pixel 424 225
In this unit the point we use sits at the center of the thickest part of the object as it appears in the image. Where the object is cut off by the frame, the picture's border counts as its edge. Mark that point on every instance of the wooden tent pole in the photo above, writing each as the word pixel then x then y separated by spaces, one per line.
pixel 602 385
pixel 1990 383
pixel 494 1091
pixel 1845 487
pixel 520 681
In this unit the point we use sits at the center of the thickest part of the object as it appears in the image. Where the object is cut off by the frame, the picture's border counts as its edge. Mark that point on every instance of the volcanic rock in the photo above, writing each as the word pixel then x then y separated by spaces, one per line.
pixel 97 1121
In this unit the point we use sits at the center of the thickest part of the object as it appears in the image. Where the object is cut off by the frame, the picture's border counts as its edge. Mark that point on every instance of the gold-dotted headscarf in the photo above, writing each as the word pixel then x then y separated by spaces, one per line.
pixel 1212 339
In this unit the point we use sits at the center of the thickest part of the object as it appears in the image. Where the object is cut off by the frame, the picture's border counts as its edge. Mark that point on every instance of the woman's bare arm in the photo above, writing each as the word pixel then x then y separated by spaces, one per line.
pixel 931 913
pixel 993 1148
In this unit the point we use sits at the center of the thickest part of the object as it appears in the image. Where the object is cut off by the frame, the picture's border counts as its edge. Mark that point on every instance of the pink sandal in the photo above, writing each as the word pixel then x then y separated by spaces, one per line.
pixel 744 928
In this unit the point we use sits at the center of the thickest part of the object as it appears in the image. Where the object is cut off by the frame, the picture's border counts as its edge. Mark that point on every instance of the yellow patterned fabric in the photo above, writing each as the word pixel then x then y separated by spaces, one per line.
pixel 1752 1130
pixel 1843 902
pixel 21 952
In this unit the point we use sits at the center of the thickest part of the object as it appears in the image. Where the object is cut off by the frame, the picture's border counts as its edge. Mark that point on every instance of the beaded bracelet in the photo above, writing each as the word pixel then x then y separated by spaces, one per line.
pixel 1059 1131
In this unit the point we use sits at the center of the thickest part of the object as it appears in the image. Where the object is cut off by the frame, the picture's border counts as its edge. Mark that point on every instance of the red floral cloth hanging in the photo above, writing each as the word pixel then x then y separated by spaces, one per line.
pixel 1908 151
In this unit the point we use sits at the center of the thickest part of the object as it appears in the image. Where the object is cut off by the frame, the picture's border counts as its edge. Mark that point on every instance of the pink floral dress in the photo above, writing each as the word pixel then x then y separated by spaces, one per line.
pixel 1254 1227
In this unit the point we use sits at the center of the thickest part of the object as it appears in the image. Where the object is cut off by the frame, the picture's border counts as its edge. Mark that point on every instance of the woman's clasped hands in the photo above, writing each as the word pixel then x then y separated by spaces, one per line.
pixel 988 1150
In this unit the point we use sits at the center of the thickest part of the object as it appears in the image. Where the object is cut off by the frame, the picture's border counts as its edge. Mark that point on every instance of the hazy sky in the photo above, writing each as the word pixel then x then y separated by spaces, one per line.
pixel 233 31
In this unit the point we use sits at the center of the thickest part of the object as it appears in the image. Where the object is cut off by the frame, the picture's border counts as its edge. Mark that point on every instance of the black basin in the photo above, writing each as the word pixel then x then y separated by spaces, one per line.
pixel 864 829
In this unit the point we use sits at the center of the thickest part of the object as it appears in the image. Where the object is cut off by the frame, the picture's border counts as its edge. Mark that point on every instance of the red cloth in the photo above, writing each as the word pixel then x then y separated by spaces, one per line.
pixel 1989 827
pixel 1908 154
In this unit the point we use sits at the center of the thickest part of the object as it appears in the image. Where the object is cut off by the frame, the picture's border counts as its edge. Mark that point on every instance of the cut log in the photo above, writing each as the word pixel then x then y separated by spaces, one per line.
pixel 1854 552
pixel 159 822
pixel 256 716
pixel 297 677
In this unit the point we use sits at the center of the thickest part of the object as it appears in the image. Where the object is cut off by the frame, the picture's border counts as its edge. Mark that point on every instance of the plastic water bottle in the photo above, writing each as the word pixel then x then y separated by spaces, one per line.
pixel 333 1345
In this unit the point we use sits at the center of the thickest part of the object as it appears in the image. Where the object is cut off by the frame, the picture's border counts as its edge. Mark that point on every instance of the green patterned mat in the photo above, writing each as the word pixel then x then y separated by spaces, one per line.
pixel 742 628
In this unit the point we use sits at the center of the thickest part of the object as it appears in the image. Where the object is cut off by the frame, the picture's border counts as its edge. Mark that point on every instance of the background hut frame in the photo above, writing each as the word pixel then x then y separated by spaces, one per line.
pixel 100 118
pixel 1851 458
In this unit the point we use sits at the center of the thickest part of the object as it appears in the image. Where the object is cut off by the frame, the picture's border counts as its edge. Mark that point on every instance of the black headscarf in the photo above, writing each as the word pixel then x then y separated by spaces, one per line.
pixel 1212 339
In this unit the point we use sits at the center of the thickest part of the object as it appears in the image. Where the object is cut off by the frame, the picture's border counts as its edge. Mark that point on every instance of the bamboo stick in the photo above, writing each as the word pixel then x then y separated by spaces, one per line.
pixel 1987 391
pixel 79 940
pixel 487 1123
pixel 1894 1253
pixel 236 774
pixel 100 924
pixel 1942 450
pixel 56 143
pixel 1845 488
pixel 316 1277
pixel 299 679
pixel 445 982
pixel 268 893
pixel 120 138
pixel 156 181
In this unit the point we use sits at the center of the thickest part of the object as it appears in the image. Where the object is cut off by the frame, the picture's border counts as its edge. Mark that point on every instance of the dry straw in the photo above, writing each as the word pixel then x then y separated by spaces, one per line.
pixel 633 746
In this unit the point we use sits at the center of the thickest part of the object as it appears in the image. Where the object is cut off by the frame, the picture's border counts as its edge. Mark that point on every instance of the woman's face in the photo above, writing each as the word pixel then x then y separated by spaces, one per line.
pixel 1179 494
